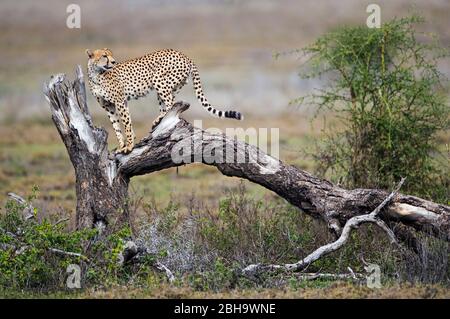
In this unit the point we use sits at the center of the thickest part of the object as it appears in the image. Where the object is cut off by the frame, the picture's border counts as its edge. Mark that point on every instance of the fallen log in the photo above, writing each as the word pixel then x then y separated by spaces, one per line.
pixel 102 177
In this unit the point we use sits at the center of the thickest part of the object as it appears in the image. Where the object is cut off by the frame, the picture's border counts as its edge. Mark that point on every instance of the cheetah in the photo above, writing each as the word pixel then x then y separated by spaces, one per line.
pixel 165 71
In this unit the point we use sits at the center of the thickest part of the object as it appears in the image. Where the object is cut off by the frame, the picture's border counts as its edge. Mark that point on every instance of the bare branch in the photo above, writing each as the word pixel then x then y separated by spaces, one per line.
pixel 352 223
pixel 62 220
pixel 68 253
pixel 377 210
pixel 162 267
pixel 28 210
pixel 314 276
pixel 20 249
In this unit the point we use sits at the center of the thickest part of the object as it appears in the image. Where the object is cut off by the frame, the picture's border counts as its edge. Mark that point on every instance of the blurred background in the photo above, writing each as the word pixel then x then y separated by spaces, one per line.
pixel 233 42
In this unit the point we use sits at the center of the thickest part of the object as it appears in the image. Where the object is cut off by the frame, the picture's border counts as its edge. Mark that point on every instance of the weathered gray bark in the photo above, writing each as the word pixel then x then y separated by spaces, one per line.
pixel 102 178
pixel 101 193
pixel 351 224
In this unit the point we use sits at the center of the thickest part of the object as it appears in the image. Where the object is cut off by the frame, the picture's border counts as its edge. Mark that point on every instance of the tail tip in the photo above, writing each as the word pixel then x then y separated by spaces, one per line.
pixel 234 115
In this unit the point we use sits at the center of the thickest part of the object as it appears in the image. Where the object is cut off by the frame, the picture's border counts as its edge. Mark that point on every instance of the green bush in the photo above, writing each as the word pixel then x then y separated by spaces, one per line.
pixel 26 256
pixel 206 249
pixel 210 247
pixel 104 252
pixel 385 86
pixel 246 230
pixel 28 259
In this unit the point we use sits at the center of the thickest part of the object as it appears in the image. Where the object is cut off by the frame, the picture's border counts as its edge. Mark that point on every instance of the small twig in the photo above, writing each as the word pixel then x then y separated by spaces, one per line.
pixel 28 210
pixel 352 273
pixel 133 253
pixel 388 231
pixel 377 210
pixel 18 198
pixel 162 267
pixel 68 253
pixel 62 220
pixel 314 276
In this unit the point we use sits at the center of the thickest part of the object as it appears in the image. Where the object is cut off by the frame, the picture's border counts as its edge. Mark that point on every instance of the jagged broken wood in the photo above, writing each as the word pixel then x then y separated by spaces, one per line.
pixel 28 209
pixel 102 177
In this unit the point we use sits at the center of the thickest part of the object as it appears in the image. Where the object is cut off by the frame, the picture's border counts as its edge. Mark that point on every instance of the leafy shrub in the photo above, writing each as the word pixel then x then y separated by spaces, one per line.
pixel 246 231
pixel 26 256
pixel 206 249
pixel 386 88
pixel 31 258
pixel 172 238
pixel 242 230
pixel 104 253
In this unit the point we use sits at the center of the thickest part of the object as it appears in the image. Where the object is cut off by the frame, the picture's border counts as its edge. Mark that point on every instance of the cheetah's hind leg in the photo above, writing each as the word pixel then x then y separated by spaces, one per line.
pixel 165 106
pixel 162 107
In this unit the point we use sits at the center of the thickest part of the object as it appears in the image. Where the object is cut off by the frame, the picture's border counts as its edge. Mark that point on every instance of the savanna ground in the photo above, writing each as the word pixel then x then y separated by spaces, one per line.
pixel 36 156
pixel 233 45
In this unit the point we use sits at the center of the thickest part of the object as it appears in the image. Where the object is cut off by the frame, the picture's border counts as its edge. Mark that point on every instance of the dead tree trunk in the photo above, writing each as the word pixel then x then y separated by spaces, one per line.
pixel 101 192
pixel 102 178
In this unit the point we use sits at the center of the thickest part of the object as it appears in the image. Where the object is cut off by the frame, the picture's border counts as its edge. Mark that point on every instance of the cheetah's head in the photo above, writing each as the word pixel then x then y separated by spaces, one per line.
pixel 101 59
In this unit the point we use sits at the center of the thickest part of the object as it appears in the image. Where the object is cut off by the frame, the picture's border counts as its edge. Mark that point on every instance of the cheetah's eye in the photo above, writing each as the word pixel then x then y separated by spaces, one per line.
pixel 104 55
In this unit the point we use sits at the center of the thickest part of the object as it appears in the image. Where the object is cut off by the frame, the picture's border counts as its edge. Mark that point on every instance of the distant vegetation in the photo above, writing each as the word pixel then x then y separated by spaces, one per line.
pixel 386 88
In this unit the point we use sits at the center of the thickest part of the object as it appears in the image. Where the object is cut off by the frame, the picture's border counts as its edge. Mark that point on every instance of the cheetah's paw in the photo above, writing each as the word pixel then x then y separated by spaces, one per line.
pixel 125 149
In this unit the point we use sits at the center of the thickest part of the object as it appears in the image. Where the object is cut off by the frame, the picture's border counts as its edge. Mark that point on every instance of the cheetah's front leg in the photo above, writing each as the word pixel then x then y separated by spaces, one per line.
pixel 162 106
pixel 124 113
pixel 112 114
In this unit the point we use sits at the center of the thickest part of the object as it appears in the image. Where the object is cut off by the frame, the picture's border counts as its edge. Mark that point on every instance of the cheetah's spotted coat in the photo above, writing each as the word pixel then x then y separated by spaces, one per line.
pixel 165 71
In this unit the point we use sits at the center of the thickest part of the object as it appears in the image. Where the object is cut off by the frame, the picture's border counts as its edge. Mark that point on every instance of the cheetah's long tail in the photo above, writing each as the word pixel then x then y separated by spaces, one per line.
pixel 202 98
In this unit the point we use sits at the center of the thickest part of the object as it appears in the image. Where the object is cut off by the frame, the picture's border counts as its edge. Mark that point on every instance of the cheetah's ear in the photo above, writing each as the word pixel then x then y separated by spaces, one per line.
pixel 89 53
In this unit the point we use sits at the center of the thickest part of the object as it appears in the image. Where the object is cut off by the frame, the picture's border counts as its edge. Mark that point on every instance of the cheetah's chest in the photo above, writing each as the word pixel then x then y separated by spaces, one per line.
pixel 98 90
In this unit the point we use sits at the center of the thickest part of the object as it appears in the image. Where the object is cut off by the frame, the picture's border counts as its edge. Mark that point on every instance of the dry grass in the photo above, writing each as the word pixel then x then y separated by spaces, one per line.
pixel 336 290
pixel 339 290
